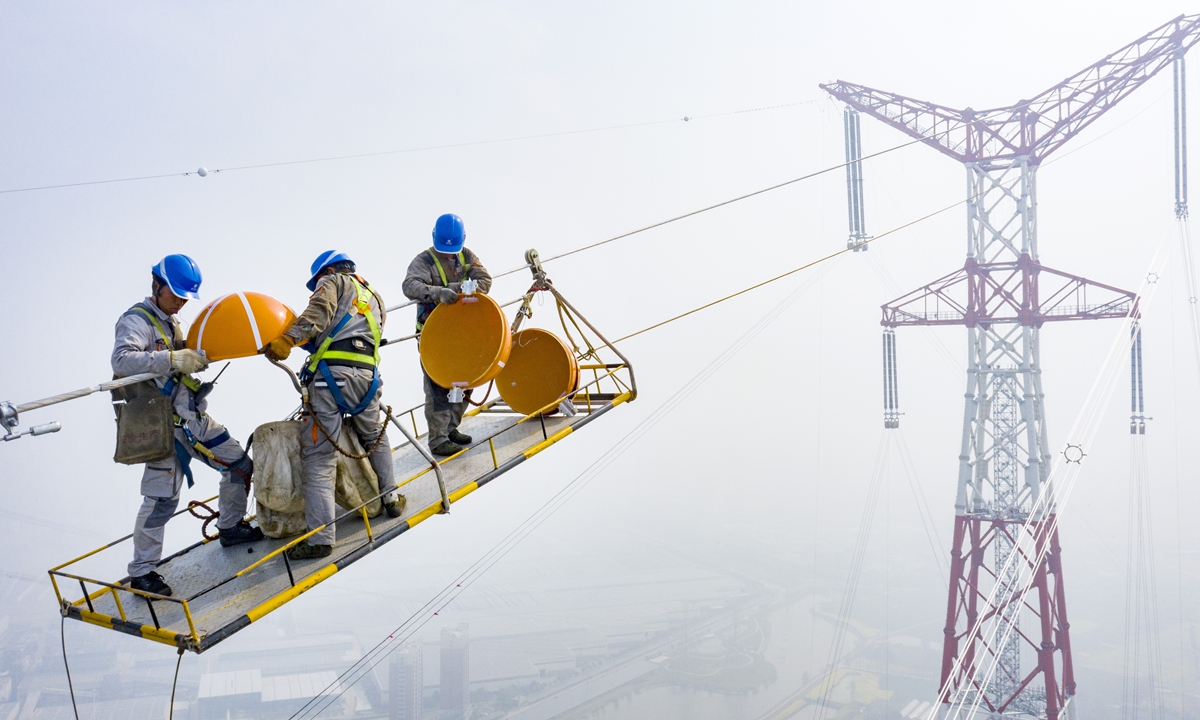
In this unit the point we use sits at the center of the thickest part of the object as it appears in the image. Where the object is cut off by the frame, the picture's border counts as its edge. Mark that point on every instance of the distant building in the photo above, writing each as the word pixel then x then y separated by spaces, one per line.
pixel 455 682
pixel 406 683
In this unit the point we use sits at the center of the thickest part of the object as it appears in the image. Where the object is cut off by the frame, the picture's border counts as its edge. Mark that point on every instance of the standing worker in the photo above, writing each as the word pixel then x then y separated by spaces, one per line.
pixel 144 344
pixel 436 276
pixel 342 328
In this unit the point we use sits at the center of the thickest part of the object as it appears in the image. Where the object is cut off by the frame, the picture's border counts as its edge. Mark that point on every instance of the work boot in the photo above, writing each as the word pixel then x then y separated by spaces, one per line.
pixel 394 504
pixel 151 582
pixel 304 551
pixel 243 532
pixel 446 448
pixel 460 438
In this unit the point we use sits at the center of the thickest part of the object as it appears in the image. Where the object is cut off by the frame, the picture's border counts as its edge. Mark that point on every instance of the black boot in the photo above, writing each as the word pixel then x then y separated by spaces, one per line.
pixel 243 532
pixel 304 551
pixel 460 438
pixel 446 448
pixel 151 582
pixel 394 505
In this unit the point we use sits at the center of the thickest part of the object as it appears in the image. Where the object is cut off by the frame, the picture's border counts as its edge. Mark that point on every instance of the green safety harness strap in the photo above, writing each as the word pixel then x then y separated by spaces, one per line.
pixel 318 362
pixel 427 308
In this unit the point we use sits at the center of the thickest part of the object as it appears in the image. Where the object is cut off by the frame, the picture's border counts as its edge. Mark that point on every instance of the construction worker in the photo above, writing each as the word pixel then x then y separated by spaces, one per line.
pixel 148 339
pixel 342 328
pixel 436 276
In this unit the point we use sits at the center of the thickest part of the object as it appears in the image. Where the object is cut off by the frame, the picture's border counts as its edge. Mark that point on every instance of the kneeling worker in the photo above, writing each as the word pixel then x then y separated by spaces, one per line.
pixel 342 328
pixel 436 276
pixel 148 339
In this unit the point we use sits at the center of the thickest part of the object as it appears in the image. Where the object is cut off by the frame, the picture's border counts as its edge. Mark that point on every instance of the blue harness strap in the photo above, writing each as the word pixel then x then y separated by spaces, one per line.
pixel 185 462
pixel 344 407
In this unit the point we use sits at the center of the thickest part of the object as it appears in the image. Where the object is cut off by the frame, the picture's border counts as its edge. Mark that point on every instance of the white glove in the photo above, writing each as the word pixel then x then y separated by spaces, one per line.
pixel 470 286
pixel 187 361
pixel 446 296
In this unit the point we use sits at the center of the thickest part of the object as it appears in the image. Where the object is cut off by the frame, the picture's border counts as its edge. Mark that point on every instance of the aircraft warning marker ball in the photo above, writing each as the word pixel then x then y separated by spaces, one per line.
pixel 541 370
pixel 238 325
pixel 465 344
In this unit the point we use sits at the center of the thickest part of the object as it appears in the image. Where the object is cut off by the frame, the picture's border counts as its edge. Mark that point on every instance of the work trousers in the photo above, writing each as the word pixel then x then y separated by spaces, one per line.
pixel 162 482
pixel 441 415
pixel 318 456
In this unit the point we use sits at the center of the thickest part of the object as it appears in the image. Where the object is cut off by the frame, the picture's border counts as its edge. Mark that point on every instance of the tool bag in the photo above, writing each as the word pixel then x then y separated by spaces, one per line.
pixel 279 489
pixel 145 424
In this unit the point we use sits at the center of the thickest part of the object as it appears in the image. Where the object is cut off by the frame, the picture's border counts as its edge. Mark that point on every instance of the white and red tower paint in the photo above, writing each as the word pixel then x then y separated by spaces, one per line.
pixel 1007 646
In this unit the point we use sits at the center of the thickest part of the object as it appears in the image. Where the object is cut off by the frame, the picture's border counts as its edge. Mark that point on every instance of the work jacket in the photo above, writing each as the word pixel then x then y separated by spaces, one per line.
pixel 335 298
pixel 139 347
pixel 431 270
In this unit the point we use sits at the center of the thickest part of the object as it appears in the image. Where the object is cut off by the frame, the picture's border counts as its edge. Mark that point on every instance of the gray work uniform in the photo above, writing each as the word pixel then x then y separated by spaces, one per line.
pixel 139 348
pixel 333 298
pixel 421 284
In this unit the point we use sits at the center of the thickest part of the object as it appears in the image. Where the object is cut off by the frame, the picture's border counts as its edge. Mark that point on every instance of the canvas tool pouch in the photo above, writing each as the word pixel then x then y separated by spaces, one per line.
pixel 145 424
pixel 278 483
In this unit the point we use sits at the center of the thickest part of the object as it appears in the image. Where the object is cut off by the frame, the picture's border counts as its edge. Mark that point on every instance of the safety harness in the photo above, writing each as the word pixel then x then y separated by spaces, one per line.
pixel 202 447
pixel 427 308
pixel 325 354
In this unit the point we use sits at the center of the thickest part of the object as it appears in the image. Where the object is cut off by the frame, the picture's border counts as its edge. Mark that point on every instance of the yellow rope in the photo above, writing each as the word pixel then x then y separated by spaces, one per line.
pixel 794 271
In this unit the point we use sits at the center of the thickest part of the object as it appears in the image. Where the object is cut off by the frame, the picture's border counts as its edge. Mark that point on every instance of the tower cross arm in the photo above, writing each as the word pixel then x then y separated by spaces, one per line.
pixel 1023 292
pixel 1031 128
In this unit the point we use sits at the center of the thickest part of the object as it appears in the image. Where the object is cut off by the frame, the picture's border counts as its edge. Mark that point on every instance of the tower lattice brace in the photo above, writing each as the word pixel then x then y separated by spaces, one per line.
pixel 1007 646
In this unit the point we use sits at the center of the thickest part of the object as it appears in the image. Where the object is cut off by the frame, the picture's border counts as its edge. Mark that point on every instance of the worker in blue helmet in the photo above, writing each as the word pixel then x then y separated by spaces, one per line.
pixel 436 276
pixel 149 340
pixel 342 328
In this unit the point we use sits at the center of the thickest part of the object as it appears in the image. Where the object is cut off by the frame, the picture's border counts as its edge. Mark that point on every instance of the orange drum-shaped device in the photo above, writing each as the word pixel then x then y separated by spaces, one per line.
pixel 541 370
pixel 465 344
pixel 239 325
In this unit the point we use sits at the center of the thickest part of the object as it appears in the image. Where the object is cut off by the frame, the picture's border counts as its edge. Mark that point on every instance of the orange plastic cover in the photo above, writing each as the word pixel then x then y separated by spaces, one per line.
pixel 465 344
pixel 238 325
pixel 541 370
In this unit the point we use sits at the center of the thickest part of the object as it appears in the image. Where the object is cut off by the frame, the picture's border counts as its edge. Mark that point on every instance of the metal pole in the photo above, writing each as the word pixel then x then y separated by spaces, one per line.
pixel 437 469
pixel 10 414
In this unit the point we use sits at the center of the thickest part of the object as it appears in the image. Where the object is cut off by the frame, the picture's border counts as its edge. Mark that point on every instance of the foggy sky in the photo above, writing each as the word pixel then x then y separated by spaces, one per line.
pixel 780 442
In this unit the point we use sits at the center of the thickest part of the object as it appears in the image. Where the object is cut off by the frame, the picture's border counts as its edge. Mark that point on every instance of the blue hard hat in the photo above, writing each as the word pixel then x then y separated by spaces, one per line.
pixel 181 274
pixel 449 234
pixel 324 260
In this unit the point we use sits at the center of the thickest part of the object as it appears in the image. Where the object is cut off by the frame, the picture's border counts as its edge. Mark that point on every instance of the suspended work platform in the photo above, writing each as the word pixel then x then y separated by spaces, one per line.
pixel 219 591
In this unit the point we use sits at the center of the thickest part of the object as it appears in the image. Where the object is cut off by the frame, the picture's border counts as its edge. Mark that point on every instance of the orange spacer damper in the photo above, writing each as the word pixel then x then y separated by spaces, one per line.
pixel 541 370
pixel 239 325
pixel 465 344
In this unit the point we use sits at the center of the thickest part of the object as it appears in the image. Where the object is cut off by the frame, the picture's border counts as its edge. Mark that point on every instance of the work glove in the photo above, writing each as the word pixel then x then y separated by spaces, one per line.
pixel 187 361
pixel 446 296
pixel 280 347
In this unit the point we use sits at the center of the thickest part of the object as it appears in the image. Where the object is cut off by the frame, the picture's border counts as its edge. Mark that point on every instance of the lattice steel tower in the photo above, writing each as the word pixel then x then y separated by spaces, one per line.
pixel 1004 295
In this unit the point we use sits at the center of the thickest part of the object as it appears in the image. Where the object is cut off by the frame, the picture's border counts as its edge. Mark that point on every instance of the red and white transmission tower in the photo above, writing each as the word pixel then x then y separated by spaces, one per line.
pixel 1007 648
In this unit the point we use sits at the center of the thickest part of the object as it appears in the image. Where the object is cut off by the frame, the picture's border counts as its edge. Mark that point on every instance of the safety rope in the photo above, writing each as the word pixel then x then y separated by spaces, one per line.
pixel 563 315
pixel 339 448
pixel 175 684
pixel 194 508
pixel 62 630
pixel 487 395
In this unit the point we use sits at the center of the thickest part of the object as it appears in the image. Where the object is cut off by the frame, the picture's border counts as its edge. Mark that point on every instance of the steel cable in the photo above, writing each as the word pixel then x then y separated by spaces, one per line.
pixel 401 151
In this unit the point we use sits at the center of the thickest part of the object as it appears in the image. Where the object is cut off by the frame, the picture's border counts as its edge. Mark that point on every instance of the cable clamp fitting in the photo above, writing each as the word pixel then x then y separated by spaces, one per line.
pixel 8 417
pixel 535 266
pixel 456 394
